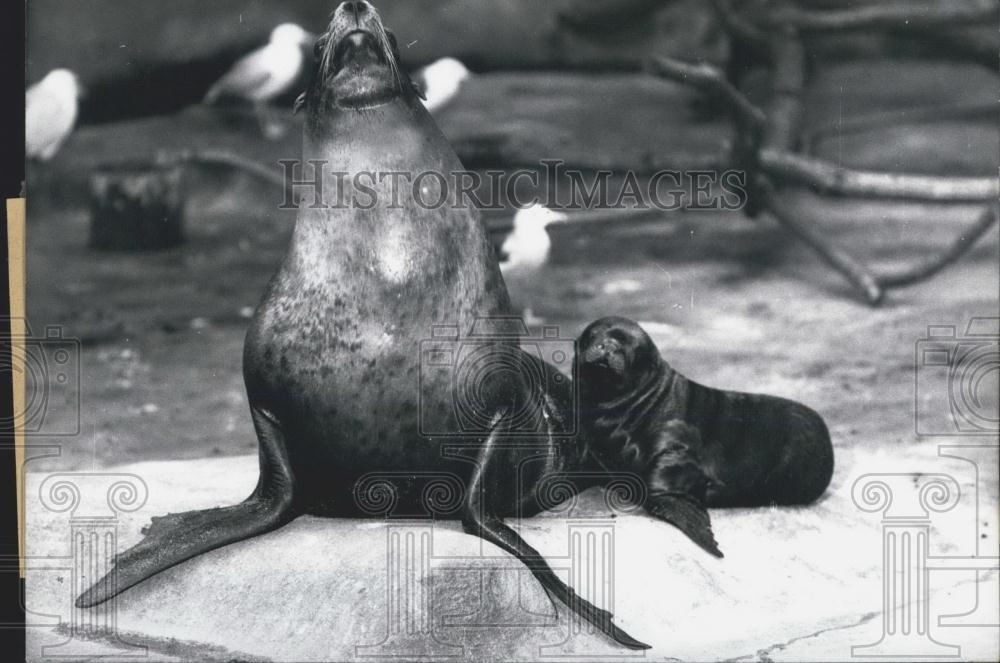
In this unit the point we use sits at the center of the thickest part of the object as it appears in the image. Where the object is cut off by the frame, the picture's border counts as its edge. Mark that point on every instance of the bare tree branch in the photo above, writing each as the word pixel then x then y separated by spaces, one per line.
pixel 886 16
pixel 710 80
pixel 784 115
pixel 969 110
pixel 780 126
pixel 860 277
pixel 962 245
pixel 784 124
pixel 221 158
pixel 604 15
pixel 829 178
pixel 966 41
pixel 736 26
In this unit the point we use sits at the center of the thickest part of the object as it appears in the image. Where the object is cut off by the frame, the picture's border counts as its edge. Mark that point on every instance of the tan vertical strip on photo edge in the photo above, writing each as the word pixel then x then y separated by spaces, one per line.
pixel 15 262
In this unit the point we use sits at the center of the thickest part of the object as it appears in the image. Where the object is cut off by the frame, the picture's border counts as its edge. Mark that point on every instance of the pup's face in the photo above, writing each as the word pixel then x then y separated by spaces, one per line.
pixel 615 356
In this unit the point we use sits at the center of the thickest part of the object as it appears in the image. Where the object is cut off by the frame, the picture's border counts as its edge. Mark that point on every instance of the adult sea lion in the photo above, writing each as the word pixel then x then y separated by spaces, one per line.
pixel 333 358
pixel 694 446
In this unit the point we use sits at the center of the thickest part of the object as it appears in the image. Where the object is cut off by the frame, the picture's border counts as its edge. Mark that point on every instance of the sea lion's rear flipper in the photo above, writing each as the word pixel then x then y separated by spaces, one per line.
pixel 678 484
pixel 178 537
pixel 480 518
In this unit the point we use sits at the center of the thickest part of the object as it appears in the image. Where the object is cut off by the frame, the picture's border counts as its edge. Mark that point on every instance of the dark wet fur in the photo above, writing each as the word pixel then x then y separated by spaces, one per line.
pixel 332 357
pixel 695 446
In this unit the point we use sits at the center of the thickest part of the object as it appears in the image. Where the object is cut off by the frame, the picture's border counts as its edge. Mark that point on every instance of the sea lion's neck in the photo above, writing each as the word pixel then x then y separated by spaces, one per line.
pixel 623 416
pixel 337 134
pixel 368 158
pixel 370 228
pixel 360 167
pixel 630 404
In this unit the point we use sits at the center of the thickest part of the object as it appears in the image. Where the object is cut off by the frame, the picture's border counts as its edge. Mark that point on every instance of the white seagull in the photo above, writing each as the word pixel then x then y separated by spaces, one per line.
pixel 50 112
pixel 267 73
pixel 441 81
pixel 528 247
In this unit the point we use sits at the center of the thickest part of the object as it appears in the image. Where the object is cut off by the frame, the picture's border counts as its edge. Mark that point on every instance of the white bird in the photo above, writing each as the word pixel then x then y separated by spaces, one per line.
pixel 268 72
pixel 441 81
pixel 528 247
pixel 50 113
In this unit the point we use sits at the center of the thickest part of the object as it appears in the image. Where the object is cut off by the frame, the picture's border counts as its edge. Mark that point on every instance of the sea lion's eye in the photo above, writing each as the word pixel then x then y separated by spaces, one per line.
pixel 320 46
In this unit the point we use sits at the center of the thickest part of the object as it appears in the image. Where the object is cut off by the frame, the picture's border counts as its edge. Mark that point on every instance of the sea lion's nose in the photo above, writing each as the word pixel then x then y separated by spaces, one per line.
pixel 357 8
pixel 596 354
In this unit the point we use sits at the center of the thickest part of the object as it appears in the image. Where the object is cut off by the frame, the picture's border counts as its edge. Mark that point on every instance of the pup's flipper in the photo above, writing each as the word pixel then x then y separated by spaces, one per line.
pixel 678 484
pixel 687 515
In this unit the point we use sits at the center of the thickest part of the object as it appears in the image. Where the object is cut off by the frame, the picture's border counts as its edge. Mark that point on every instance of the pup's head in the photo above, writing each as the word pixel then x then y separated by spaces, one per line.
pixel 616 357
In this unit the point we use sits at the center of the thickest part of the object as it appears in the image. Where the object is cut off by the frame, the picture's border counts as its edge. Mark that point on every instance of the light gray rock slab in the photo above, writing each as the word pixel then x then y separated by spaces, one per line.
pixel 796 583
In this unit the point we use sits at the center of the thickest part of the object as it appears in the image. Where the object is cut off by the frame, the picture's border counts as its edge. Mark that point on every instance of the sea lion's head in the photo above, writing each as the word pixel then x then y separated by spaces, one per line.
pixel 616 357
pixel 357 62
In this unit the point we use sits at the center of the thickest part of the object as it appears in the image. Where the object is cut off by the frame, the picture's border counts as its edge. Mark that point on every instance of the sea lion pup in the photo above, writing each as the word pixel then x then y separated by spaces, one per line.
pixel 695 446
pixel 346 416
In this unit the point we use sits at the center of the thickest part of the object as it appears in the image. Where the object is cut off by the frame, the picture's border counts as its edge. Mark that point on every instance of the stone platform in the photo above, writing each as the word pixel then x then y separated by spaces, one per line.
pixel 796 584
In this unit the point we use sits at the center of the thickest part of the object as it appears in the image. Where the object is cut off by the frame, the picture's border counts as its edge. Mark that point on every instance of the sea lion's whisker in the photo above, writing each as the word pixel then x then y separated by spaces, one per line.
pixel 386 44
pixel 383 38
pixel 328 48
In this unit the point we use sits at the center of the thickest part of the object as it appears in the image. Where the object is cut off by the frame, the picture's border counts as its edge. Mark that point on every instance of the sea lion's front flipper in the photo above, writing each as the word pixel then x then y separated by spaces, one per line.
pixel 178 537
pixel 480 518
pixel 677 484
pixel 686 515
